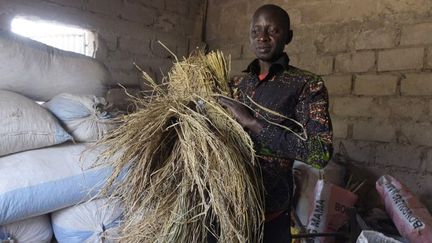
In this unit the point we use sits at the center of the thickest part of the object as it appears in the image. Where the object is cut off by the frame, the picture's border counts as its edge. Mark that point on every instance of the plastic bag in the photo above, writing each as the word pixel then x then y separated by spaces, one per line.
pixel 370 236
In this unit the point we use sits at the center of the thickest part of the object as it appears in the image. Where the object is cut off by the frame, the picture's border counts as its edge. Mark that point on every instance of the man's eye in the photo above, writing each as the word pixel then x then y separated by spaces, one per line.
pixel 272 31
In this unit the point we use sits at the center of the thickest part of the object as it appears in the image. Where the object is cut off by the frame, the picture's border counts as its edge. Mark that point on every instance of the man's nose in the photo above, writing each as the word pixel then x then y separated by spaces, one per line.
pixel 263 36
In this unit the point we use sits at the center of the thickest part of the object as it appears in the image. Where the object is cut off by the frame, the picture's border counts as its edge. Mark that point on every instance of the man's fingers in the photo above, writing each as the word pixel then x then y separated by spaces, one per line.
pixel 230 101
pixel 224 101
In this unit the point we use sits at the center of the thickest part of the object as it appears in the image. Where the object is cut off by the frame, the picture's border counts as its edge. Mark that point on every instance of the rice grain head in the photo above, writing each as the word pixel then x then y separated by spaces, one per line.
pixel 181 163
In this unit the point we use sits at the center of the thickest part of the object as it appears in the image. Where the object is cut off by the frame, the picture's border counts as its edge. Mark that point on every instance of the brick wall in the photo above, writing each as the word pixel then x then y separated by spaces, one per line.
pixel 127 30
pixel 376 59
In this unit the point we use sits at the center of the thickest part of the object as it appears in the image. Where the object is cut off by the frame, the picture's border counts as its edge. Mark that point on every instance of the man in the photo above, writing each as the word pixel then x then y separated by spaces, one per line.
pixel 303 132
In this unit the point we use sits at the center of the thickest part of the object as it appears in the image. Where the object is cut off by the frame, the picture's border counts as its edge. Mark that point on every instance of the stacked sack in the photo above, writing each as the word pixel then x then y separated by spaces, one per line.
pixel 86 118
pixel 33 230
pixel 44 163
pixel 94 221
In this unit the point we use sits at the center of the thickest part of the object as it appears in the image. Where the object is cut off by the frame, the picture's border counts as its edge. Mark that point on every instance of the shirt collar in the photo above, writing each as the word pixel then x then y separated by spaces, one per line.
pixel 281 63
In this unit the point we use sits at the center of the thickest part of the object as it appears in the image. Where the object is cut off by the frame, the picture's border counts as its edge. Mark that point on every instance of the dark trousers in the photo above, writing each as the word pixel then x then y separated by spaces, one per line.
pixel 276 231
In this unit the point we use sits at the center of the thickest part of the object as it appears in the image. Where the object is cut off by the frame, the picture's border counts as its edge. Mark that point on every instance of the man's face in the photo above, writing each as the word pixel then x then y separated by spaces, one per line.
pixel 268 35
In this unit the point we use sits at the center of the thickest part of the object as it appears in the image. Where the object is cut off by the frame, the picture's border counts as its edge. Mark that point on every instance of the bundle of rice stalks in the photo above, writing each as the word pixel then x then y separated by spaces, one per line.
pixel 186 166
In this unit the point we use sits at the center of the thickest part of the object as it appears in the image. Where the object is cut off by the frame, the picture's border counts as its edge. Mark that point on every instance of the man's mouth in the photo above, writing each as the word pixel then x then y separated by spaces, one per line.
pixel 263 49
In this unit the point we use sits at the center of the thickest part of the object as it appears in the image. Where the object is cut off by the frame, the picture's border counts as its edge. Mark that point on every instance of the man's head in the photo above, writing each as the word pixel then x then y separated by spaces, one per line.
pixel 269 32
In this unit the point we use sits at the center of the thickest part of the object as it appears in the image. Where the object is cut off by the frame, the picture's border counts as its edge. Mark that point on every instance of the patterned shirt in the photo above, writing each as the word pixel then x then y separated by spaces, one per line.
pixel 300 96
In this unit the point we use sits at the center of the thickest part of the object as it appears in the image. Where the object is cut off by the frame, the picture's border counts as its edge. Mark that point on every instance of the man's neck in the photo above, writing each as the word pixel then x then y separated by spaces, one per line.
pixel 264 67
pixel 261 67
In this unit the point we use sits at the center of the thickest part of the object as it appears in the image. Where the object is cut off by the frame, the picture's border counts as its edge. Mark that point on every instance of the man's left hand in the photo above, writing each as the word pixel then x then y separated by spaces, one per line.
pixel 242 114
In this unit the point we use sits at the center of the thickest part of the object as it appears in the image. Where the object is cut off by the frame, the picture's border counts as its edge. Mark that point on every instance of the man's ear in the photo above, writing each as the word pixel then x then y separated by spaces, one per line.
pixel 289 37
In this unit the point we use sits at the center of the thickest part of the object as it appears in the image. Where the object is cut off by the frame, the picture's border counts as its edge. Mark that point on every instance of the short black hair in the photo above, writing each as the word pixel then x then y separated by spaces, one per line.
pixel 280 12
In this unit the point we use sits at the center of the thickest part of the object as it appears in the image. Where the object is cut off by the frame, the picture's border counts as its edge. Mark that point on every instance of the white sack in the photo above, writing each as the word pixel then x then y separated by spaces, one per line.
pixel 309 176
pixel 26 125
pixel 40 72
pixel 32 230
pixel 87 118
pixel 41 181
pixel 92 222
pixel 370 236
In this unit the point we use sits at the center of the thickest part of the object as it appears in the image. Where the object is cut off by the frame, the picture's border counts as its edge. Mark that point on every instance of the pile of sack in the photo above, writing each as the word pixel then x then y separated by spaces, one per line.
pixel 51 110
pixel 324 203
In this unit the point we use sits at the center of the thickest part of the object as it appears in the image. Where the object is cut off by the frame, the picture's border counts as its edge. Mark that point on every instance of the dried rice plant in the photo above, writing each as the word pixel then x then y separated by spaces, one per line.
pixel 185 163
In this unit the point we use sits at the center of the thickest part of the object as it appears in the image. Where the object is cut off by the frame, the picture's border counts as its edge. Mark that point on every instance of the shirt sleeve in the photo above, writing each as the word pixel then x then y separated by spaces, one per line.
pixel 312 112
